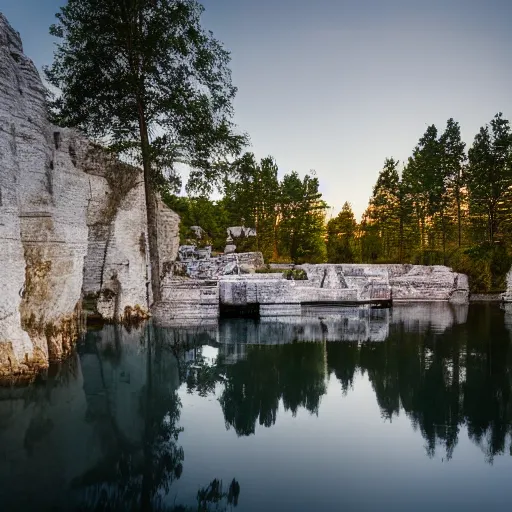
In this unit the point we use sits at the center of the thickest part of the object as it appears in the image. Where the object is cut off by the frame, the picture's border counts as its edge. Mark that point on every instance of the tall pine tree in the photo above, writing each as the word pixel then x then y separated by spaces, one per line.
pixel 489 176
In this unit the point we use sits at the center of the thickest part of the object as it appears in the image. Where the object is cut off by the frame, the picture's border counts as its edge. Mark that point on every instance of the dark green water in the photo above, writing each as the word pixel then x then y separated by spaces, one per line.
pixel 408 409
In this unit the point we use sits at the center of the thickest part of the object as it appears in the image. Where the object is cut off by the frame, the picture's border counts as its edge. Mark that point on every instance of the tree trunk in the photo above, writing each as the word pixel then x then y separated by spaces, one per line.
pixel 443 227
pixel 491 223
pixel 401 241
pixel 151 207
pixel 459 223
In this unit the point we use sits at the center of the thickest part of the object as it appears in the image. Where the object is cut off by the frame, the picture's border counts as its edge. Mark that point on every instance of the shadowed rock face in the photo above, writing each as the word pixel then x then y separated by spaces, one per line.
pixel 72 219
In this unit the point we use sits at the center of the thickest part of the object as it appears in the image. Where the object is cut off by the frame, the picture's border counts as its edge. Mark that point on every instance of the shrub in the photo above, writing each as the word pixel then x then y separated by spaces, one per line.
pixel 295 275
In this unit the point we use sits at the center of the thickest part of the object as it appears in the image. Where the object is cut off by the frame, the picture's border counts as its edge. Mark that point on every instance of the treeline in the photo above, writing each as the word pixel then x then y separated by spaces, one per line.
pixel 444 206
pixel 288 214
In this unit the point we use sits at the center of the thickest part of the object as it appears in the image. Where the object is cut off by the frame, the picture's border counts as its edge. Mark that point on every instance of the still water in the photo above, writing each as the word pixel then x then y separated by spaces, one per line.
pixel 355 409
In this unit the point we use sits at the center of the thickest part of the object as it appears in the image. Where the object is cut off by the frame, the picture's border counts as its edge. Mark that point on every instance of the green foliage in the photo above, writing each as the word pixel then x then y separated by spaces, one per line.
pixel 267 270
pixel 135 68
pixel 452 162
pixel 444 211
pixel 252 197
pixel 341 233
pixel 384 222
pixel 289 216
pixel 200 211
pixel 302 220
pixel 489 178
pixel 487 265
pixel 295 275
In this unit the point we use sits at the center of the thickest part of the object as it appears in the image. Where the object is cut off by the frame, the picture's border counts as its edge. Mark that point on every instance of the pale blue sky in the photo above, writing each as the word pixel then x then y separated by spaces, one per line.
pixel 338 85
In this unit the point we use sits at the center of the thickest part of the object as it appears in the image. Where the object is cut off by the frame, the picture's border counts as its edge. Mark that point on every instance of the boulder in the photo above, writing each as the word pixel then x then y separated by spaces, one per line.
pixel 230 249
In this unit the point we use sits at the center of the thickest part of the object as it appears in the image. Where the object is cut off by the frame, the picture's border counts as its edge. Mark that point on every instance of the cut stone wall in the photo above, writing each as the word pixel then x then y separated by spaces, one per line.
pixel 213 268
pixel 404 282
pixel 189 299
pixel 507 296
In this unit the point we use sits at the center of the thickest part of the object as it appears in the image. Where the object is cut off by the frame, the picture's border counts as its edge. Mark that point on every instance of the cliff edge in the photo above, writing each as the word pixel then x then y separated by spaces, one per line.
pixel 72 224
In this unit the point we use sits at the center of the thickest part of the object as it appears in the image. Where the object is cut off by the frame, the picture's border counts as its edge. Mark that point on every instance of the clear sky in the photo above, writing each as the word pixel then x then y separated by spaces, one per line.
pixel 338 85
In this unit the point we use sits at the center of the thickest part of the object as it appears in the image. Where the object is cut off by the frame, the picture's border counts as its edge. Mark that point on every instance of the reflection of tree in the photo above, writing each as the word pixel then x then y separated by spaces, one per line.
pixel 137 475
pixel 291 372
pixel 487 389
pixel 343 360
pixel 442 381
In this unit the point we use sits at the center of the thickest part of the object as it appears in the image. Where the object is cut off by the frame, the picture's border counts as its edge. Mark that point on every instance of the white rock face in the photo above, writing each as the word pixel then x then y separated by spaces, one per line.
pixel 71 219
pixel 43 220
pixel 507 296
pixel 14 341
pixel 116 266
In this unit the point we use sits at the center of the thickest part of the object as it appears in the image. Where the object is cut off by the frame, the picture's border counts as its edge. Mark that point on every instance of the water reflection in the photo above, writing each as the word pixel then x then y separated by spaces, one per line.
pixel 102 432
pixel 442 367
pixel 104 429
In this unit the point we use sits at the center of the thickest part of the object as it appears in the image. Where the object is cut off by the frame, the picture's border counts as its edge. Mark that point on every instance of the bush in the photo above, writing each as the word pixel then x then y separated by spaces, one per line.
pixel 295 275
pixel 429 257
pixel 486 266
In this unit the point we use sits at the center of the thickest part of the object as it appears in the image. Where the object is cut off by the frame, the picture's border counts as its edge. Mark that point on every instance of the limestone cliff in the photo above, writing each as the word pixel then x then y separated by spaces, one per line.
pixel 72 221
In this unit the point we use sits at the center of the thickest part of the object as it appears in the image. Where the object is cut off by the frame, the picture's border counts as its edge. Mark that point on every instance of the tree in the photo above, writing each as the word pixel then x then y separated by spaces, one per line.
pixel 252 194
pixel 147 80
pixel 425 183
pixel 452 161
pixel 302 219
pixel 385 208
pixel 489 175
pixel 341 237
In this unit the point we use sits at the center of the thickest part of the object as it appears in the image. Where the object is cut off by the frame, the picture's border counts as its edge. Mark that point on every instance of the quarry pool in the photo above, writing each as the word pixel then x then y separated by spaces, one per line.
pixel 339 409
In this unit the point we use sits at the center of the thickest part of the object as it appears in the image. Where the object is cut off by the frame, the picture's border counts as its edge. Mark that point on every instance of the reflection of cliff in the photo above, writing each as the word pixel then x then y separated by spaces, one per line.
pixel 104 430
